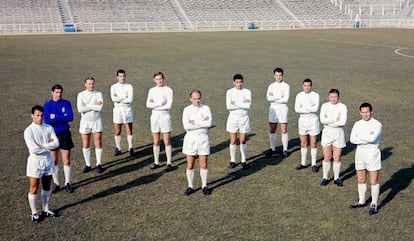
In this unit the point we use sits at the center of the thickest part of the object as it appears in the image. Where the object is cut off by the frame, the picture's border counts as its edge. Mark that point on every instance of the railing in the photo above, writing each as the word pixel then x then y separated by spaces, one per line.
pixel 208 25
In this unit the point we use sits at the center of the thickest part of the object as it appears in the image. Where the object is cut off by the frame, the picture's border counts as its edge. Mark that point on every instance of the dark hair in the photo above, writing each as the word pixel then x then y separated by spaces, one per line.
pixel 307 81
pixel 191 93
pixel 237 76
pixel 120 71
pixel 37 107
pixel 91 78
pixel 334 91
pixel 158 73
pixel 279 70
pixel 364 105
pixel 57 87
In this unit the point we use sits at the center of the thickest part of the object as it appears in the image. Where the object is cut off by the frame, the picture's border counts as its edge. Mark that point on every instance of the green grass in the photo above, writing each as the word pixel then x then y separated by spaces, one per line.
pixel 271 201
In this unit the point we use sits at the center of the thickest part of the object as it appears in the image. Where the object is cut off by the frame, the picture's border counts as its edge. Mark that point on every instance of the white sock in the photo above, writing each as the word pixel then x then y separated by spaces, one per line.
pixel 190 177
pixel 314 154
pixel 272 141
pixel 67 171
pixel 336 169
pixel 168 154
pixel 32 202
pixel 243 152
pixel 55 175
pixel 203 175
pixel 362 189
pixel 117 141
pixel 326 166
pixel 303 154
pixel 45 200
pixel 98 155
pixel 232 148
pixel 130 140
pixel 87 156
pixel 375 190
pixel 285 139
pixel 156 151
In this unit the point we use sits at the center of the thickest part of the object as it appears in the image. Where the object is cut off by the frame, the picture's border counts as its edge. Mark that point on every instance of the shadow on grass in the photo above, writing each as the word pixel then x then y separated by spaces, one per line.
pixel 257 163
pixel 399 181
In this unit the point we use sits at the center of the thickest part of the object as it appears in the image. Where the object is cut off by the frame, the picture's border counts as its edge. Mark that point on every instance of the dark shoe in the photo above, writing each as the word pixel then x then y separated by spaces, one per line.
pixel 245 165
pixel 154 166
pixel 285 154
pixel 232 165
pixel 206 191
pixel 131 151
pixel 269 153
pixel 48 214
pixel 315 169
pixel 169 168
pixel 188 191
pixel 117 152
pixel 339 182
pixel 86 169
pixel 324 182
pixel 68 188
pixel 56 189
pixel 357 205
pixel 373 210
pixel 299 167
pixel 99 169
pixel 35 217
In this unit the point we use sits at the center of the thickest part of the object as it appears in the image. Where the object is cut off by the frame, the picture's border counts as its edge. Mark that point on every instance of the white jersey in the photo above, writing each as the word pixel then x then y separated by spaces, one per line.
pixel 333 116
pixel 202 117
pixel 40 161
pixel 366 134
pixel 87 105
pixel 122 94
pixel 157 95
pixel 238 101
pixel 278 93
pixel 307 104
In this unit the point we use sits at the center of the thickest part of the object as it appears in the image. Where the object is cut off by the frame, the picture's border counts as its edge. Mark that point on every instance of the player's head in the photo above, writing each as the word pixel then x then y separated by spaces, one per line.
pixel 333 96
pixel 90 83
pixel 278 74
pixel 37 114
pixel 159 78
pixel 307 85
pixel 238 81
pixel 121 76
pixel 57 91
pixel 195 97
pixel 365 110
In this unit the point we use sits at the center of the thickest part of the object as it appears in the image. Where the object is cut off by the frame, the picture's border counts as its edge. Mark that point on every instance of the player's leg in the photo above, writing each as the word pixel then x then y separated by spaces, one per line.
pixel 314 151
pixel 156 137
pixel 45 193
pixel 326 164
pixel 375 190
pixel 189 172
pixel 337 151
pixel 117 138
pixel 55 176
pixel 97 140
pixel 362 188
pixel 67 169
pixel 204 173
pixel 130 138
pixel 284 138
pixel 86 150
pixel 233 149
pixel 272 139
pixel 303 151
pixel 32 197
pixel 168 149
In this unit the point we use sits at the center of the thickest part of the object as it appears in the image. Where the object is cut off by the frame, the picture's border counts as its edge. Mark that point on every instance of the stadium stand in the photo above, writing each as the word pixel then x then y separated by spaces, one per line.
pixel 142 15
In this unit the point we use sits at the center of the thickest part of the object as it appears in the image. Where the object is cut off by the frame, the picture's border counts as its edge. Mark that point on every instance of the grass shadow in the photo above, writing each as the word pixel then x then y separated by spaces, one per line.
pixel 399 181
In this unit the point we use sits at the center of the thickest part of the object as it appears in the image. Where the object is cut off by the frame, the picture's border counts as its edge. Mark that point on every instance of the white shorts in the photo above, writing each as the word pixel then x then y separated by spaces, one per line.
pixel 122 115
pixel 333 136
pixel 38 167
pixel 367 158
pixel 238 123
pixel 88 127
pixel 196 144
pixel 160 122
pixel 278 114
pixel 308 125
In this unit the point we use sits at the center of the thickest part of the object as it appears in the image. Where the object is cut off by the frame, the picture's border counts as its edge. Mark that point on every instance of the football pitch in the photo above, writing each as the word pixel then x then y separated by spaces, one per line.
pixel 269 201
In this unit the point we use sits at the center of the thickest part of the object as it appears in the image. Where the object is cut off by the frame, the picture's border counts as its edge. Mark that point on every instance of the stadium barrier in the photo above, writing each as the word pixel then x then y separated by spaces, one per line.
pixel 206 25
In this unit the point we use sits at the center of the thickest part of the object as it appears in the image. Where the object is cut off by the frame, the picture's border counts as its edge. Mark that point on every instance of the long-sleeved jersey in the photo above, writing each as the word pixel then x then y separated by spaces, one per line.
pixel 90 104
pixel 238 101
pixel 158 95
pixel 122 94
pixel 202 117
pixel 278 93
pixel 366 133
pixel 333 115
pixel 63 114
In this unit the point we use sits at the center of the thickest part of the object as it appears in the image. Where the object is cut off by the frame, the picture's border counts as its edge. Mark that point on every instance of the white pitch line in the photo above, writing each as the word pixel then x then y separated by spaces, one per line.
pixel 396 51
